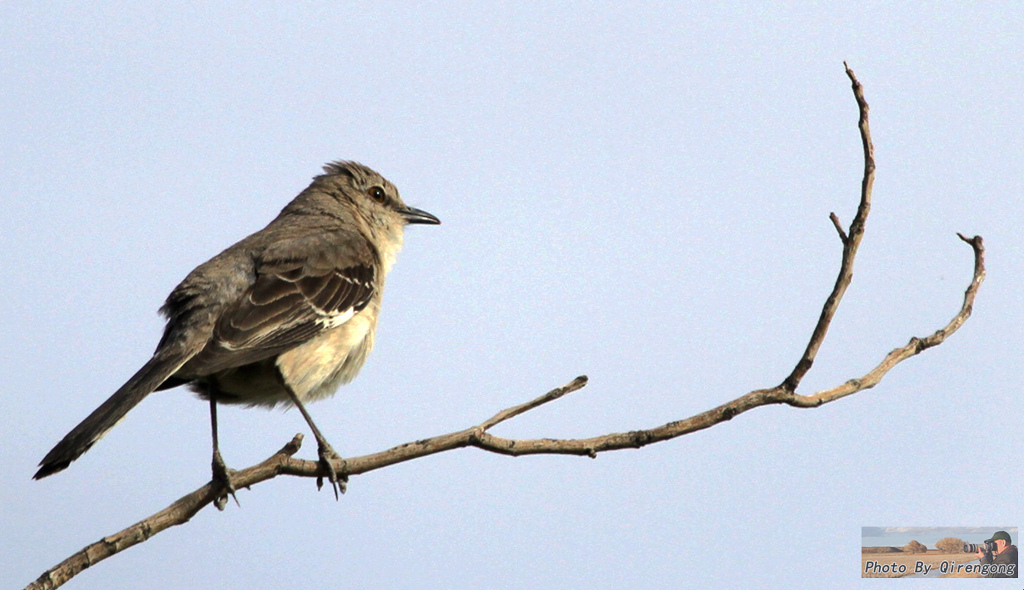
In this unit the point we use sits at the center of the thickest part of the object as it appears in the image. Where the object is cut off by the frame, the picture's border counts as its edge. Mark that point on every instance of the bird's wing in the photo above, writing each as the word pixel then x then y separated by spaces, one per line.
pixel 299 288
pixel 292 301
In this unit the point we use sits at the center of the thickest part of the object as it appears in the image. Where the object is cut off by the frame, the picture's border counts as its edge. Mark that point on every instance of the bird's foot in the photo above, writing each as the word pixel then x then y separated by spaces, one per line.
pixel 327 454
pixel 222 478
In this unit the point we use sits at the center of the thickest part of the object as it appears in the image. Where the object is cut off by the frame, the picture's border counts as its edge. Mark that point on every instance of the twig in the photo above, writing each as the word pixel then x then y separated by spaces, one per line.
pixel 576 384
pixel 851 242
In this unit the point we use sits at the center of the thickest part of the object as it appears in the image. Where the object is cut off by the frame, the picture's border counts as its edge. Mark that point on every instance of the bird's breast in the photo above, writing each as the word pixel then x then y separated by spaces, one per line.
pixel 317 368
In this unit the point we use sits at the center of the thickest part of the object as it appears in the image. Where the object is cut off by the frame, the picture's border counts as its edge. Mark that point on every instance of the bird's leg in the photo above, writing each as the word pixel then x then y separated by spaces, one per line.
pixel 220 470
pixel 323 450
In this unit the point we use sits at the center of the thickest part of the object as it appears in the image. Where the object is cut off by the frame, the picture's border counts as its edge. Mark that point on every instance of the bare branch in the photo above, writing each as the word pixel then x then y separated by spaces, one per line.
pixel 177 513
pixel 577 384
pixel 839 227
pixel 283 462
pixel 851 242
pixel 914 347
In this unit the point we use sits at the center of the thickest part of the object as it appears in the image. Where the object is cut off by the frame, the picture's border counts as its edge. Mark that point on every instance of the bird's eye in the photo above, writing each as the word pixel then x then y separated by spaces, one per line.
pixel 378 194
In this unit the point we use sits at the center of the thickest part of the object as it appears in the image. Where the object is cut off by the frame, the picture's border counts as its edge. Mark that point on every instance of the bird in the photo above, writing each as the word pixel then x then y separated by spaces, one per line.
pixel 283 317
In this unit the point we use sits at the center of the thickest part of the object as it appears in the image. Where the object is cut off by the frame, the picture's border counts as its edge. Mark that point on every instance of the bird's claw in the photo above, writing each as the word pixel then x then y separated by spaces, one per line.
pixel 339 484
pixel 222 478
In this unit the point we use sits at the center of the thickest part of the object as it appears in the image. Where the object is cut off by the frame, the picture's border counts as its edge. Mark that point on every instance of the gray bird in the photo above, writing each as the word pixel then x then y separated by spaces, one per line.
pixel 284 316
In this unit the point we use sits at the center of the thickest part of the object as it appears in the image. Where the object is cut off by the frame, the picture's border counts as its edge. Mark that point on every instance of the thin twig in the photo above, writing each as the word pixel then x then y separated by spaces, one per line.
pixel 576 384
pixel 851 242
pixel 839 227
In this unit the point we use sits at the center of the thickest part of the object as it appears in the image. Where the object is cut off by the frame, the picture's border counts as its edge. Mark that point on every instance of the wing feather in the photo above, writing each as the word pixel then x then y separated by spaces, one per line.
pixel 285 308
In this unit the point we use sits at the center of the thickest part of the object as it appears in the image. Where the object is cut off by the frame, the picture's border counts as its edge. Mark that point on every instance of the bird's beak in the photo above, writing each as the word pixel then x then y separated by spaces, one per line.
pixel 414 215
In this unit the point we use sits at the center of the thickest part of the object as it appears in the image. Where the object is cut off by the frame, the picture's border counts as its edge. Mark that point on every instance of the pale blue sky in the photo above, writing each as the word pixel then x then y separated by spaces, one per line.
pixel 638 192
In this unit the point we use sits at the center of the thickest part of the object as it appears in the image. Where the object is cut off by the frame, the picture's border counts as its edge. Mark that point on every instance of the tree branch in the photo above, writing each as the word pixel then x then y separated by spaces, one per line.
pixel 850 239
pixel 284 463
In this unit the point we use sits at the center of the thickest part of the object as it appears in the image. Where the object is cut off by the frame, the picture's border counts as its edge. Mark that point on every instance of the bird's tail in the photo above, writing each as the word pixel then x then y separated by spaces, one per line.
pixel 110 412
